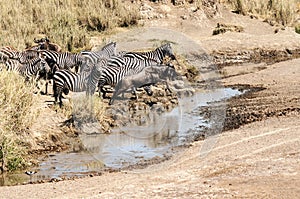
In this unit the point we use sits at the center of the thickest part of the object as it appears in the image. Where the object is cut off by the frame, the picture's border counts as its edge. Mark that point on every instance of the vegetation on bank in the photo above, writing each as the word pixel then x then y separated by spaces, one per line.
pixel 283 12
pixel 67 22
pixel 16 116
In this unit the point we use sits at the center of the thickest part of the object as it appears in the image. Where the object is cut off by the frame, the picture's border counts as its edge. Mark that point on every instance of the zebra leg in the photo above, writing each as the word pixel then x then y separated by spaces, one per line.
pixel 76 69
pixel 103 91
pixel 55 94
pixel 135 94
pixel 46 84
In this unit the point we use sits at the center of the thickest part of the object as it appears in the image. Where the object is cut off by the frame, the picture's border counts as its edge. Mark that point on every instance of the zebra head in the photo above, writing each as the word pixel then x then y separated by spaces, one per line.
pixel 109 49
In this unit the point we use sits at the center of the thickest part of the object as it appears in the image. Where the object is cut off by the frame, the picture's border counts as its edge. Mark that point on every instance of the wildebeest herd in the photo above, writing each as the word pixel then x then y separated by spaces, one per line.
pixel 89 70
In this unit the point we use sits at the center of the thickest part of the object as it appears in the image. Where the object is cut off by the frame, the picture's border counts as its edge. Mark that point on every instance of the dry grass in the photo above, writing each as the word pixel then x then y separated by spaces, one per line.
pixel 16 116
pixel 280 11
pixel 84 110
pixel 66 22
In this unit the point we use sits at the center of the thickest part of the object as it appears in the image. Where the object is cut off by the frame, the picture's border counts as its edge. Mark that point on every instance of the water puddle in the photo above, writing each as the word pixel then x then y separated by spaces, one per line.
pixel 131 144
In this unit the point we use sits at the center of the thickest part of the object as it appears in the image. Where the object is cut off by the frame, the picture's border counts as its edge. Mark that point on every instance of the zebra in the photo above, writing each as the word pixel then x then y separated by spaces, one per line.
pixel 64 60
pixel 66 80
pixel 106 52
pixel 158 54
pixel 21 56
pixel 119 67
pixel 137 61
pixel 35 69
pixel 29 69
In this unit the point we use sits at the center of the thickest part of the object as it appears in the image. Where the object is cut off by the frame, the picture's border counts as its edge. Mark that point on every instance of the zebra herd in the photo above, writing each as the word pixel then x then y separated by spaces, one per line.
pixel 83 71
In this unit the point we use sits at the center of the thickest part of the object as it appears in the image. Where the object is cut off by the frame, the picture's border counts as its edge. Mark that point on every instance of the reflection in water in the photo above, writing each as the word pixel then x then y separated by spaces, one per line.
pixel 128 145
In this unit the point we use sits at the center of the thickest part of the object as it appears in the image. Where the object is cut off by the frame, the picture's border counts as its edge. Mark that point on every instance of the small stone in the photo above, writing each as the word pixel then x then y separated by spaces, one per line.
pixel 184 17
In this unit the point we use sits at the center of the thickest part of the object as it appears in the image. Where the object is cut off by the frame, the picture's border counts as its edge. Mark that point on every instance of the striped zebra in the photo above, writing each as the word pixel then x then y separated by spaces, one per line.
pixel 35 69
pixel 158 54
pixel 66 80
pixel 121 67
pixel 106 52
pixel 21 56
pixel 29 69
pixel 136 62
pixel 64 60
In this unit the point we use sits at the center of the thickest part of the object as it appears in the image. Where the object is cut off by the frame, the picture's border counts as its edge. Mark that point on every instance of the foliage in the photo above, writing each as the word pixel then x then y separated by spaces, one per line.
pixel 65 22
pixel 280 11
pixel 16 116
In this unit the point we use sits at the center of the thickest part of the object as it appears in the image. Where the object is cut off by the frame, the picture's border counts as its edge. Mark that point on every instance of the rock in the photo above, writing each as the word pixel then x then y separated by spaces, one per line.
pixel 178 2
pixel 165 8
pixel 178 84
pixel 184 17
pixel 146 7
pixel 194 9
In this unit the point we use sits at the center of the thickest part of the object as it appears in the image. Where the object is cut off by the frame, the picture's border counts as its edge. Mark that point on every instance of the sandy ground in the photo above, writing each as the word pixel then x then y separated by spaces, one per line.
pixel 258 160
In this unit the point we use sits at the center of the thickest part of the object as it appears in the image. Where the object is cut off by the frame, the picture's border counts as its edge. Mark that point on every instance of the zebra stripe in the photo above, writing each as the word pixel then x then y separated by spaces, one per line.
pixel 22 57
pixel 64 60
pixel 65 81
pixel 105 53
pixel 31 68
pixel 136 62
pixel 158 54
pixel 119 67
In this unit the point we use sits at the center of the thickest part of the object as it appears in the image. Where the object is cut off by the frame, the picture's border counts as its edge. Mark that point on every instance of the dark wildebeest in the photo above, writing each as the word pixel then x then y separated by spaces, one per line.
pixel 45 44
pixel 149 76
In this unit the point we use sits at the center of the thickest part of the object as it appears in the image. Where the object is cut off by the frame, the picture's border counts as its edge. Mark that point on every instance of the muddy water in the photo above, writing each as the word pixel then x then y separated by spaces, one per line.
pixel 131 144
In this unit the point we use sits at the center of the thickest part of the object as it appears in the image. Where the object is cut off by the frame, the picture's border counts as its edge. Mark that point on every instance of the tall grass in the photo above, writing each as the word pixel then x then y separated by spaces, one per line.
pixel 66 22
pixel 83 110
pixel 281 11
pixel 16 116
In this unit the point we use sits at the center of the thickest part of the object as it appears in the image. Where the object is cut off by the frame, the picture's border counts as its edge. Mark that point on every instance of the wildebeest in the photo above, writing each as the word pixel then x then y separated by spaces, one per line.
pixel 45 44
pixel 149 76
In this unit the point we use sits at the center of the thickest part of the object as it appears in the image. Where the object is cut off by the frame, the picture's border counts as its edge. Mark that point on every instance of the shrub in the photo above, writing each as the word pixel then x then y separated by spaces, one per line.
pixel 16 116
